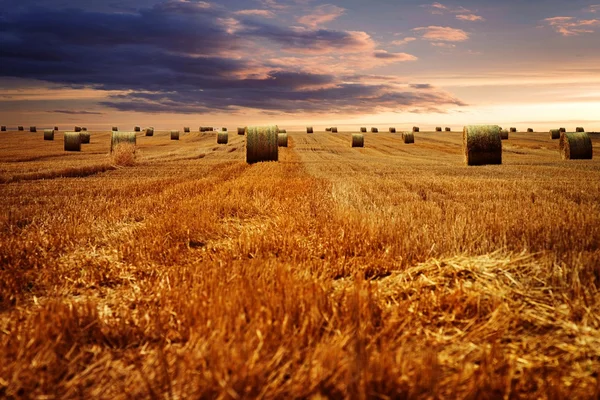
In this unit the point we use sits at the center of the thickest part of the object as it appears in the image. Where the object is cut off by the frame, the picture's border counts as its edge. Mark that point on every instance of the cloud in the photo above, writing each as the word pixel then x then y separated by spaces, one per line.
pixel 442 44
pixel 404 41
pixel 394 56
pixel 321 14
pixel 440 9
pixel 593 8
pixel 570 26
pixel 258 13
pixel 470 17
pixel 71 112
pixel 421 86
pixel 442 33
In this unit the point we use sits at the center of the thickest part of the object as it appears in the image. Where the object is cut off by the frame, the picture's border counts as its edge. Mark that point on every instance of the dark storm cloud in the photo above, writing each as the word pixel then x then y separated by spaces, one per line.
pixel 188 57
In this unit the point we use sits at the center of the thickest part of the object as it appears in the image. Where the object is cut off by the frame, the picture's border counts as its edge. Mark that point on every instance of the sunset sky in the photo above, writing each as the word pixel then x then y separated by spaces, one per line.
pixel 172 63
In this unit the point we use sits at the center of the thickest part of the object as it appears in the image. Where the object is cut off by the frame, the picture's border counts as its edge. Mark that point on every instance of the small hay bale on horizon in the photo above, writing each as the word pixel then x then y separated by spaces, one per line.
pixel 83 129
pixel 117 138
pixel 20 128
pixel 115 129
pixel 408 137
pixel 358 140
pixel 529 130
pixel 327 129
pixel 241 131
pixel 575 146
pixel 32 129
pixel 149 131
pixel 186 129
pixel 309 129
pixel 363 129
pixel 283 131
pixel 262 144
pixel 222 137
pixel 554 134
pixel 374 130
pixel 513 130
pixel 85 137
pixel 438 128
pixel 392 129
pixel 48 134
pixel 77 129
pixel 503 134
pixel 482 144
pixel 72 141
pixel 334 129
pixel 174 135
pixel 2 128
pixel 56 128
pixel 223 129
pixel 282 139
pixel 415 129
pixel 562 130
pixel 447 129
pixel 137 129
pixel 579 129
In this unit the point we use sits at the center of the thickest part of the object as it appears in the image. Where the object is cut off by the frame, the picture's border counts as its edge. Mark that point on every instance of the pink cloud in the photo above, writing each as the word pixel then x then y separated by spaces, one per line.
pixel 442 34
pixel 394 56
pixel 401 42
pixel 442 44
pixel 569 26
pixel 593 8
pixel 321 14
pixel 259 13
pixel 469 17
pixel 439 9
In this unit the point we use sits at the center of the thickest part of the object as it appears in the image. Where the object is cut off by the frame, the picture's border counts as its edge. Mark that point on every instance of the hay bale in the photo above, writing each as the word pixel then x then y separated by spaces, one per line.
pixel 327 129
pixel 392 130
pixel 115 129
pixel 579 129
pixel 117 138
pixel 513 130
pixel 282 140
pixel 85 137
pixel 408 137
pixel 503 134
pixel 3 128
pixel 149 131
pixel 482 144
pixel 438 128
pixel 84 129
pixel 186 129
pixel 241 131
pixel 77 129
pixel 309 129
pixel 174 135
pixel 56 128
pixel 72 141
pixel 415 129
pixel 262 144
pixel 358 140
pixel 32 129
pixel 20 128
pixel 529 130
pixel 48 134
pixel 554 134
pixel 282 131
pixel 222 138
pixel 374 130
pixel 447 129
pixel 137 129
pixel 363 129
pixel 562 130
pixel 334 129
pixel 575 146
pixel 223 129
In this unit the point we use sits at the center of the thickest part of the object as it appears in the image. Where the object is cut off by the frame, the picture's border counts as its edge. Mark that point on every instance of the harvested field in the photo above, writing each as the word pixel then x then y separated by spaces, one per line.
pixel 389 271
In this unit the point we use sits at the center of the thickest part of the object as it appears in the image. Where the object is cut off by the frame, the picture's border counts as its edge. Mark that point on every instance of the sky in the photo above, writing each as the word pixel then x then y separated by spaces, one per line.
pixel 174 63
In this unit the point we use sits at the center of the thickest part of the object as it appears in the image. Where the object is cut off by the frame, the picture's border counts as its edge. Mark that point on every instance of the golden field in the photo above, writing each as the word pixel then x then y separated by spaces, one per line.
pixel 389 271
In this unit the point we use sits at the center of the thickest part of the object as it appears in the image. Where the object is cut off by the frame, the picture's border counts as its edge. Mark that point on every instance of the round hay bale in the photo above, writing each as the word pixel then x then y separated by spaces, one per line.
pixel 48 134
pixel 513 130
pixel 579 129
pixel 374 130
pixel 503 134
pixel 392 130
pixel 408 137
pixel 77 129
pixel 84 129
pixel 115 129
pixel 447 129
pixel 529 130
pixel 56 128
pixel 358 140
pixel 482 144
pixel 282 140
pixel 575 146
pixel 174 135
pixel 20 128
pixel 438 128
pixel 85 137
pixel 554 134
pixel 241 131
pixel 261 144
pixel 32 129
pixel 186 129
pixel 117 138
pixel 562 130
pixel 223 129
pixel 309 129
pixel 137 129
pixel 334 129
pixel 3 128
pixel 222 138
pixel 282 131
pixel 363 129
pixel 415 129
pixel 72 141
pixel 327 129
pixel 149 131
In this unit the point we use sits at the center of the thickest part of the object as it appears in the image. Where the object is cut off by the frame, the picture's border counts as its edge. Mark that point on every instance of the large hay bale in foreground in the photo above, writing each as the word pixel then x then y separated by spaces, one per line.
pixel 3 128
pixel 392 129
pixel 48 134
pixel 363 129
pixel 174 135
pixel 262 144
pixel 32 129
pixel 85 137
pixel 20 128
pixel 72 141
pixel 115 129
pixel 282 140
pixel 579 129
pixel 513 130
pixel 575 146
pixel 334 129
pixel 77 129
pixel 137 129
pixel 482 144
pixel 447 129
pixel 222 138
pixel 374 130
pixel 554 134
pixel 309 129
pixel 241 131
pixel 186 129
pixel 503 134
pixel 529 130
pixel 358 140
pixel 438 128
pixel 149 131
pixel 415 129
pixel 408 137
pixel 116 138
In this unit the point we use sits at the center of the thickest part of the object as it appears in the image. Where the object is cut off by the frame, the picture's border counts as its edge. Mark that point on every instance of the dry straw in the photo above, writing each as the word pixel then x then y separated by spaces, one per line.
pixel 85 137
pixel 149 131
pixel 363 129
pixel 575 146
pixel 482 144
pixel 72 141
pixel 309 129
pixel 3 128
pixel 115 129
pixel 282 140
pixel 408 137
pixel 241 131
pixel 116 138
pixel 186 129
pixel 137 129
pixel 32 129
pixel 438 128
pixel 554 134
pixel 174 135
pixel 334 129
pixel 392 130
pixel 48 134
pixel 415 129
pixel 20 128
pixel 579 129
pixel 262 144
pixel 513 130
pixel 222 137
pixel 503 134
pixel 374 130
pixel 77 129
pixel 358 140
pixel 447 129
pixel 529 130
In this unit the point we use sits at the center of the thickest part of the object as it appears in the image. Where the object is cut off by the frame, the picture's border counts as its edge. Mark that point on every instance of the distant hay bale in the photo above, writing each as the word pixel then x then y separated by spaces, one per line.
pixel 438 128
pixel 529 130
pixel 482 144
pixel 115 129
pixel 575 146
pixel 149 131
pixel 77 129
pixel 223 129
pixel 83 129
pixel 327 129
pixel 363 129
pixel 186 129
pixel 309 129
pixel 85 137
pixel 554 134
pixel 282 140
pixel 20 128
pixel 358 140
pixel 408 137
pixel 262 144
pixel 503 134
pixel 137 129
pixel 241 131
pixel 3 128
pixel 282 131
pixel 579 129
pixel 562 130
pixel 117 138
pixel 415 129
pixel 174 135
pixel 32 129
pixel 56 128
pixel 374 130
pixel 48 134
pixel 222 138
pixel 513 130
pixel 392 130
pixel 334 129
pixel 447 129
pixel 72 141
